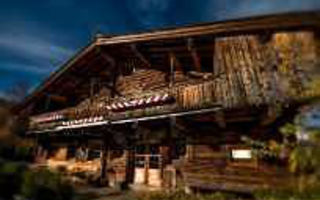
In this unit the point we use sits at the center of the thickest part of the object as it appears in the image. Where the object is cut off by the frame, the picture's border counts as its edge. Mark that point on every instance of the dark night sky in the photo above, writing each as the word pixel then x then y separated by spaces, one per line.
pixel 36 37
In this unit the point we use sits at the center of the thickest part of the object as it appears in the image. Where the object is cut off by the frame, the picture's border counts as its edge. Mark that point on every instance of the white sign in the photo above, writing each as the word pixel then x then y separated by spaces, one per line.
pixel 241 154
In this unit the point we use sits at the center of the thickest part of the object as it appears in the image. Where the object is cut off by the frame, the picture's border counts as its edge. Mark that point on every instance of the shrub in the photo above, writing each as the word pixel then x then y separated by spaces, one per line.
pixel 183 196
pixel 43 184
pixel 11 175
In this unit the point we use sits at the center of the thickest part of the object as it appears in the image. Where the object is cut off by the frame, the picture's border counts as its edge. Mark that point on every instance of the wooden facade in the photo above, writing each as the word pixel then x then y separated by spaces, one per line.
pixel 170 107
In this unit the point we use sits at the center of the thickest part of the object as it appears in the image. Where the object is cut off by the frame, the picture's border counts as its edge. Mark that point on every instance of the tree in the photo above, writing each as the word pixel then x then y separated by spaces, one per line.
pixel 17 92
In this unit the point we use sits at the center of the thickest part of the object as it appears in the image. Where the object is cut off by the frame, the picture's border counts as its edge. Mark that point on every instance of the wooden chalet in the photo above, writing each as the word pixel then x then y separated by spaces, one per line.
pixel 170 107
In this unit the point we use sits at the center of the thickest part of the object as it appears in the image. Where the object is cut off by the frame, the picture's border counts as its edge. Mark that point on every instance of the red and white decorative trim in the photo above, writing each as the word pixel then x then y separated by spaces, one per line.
pixel 88 120
pixel 48 118
pixel 137 103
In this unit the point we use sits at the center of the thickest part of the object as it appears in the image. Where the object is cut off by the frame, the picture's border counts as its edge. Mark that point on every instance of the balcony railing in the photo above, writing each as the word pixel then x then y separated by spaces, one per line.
pixel 181 97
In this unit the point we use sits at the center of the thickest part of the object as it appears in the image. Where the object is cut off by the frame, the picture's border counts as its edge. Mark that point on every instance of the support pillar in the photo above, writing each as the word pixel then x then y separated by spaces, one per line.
pixel 130 156
pixel 170 142
pixel 172 70
pixel 130 165
pixel 103 161
pixel 190 154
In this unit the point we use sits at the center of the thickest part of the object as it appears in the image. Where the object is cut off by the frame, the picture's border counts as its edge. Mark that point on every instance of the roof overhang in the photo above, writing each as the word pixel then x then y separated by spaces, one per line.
pixel 289 21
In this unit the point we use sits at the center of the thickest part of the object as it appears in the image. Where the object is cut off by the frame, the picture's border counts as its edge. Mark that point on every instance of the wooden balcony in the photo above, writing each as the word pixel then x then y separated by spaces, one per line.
pixel 176 101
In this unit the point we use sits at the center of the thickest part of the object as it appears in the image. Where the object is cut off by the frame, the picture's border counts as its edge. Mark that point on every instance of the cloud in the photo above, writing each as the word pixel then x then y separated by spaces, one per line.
pixel 149 12
pixel 29 46
pixel 229 9
pixel 160 5
pixel 33 69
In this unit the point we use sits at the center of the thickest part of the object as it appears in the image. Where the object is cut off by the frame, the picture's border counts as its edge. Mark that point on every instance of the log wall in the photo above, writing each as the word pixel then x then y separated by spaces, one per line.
pixel 254 71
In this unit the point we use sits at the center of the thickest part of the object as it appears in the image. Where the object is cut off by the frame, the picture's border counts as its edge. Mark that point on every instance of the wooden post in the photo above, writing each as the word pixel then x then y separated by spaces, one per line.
pixel 172 64
pixel 172 123
pixel 130 165
pixel 214 61
pixel 195 57
pixel 190 152
pixel 147 166
pixel 103 161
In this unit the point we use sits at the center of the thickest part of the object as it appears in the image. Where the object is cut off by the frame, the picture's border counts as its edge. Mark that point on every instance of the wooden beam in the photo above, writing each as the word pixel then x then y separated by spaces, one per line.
pixel 140 55
pixel 108 58
pixel 163 116
pixel 203 47
pixel 56 97
pixel 249 24
pixel 177 63
pixel 172 69
pixel 195 57
pixel 113 64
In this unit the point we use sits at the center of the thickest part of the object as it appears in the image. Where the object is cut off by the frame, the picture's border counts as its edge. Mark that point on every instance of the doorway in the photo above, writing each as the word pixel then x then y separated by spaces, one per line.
pixel 148 166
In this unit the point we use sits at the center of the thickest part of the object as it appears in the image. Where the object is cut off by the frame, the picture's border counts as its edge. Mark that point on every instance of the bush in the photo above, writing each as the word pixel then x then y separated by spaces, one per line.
pixel 289 194
pixel 183 196
pixel 11 175
pixel 43 184
pixel 17 180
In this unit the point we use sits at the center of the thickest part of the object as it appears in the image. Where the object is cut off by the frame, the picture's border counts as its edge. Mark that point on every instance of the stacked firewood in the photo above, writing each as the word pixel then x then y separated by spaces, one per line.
pixel 90 107
pixel 139 81
pixel 189 91
pixel 146 80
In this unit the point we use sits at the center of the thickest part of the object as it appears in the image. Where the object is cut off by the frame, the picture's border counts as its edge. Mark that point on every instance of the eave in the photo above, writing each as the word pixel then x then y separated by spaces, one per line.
pixel 288 21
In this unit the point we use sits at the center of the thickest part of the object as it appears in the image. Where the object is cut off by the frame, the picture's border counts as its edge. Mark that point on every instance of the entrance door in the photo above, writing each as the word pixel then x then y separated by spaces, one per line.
pixel 148 169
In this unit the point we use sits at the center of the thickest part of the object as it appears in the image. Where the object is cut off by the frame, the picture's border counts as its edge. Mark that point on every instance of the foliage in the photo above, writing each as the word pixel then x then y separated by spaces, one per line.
pixel 264 150
pixel 304 163
pixel 288 130
pixel 180 195
pixel 43 184
pixel 304 160
pixel 289 194
pixel 17 180
pixel 11 175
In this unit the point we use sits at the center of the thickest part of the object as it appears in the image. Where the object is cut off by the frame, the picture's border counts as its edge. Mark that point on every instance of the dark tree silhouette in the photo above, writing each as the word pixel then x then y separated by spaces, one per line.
pixel 18 91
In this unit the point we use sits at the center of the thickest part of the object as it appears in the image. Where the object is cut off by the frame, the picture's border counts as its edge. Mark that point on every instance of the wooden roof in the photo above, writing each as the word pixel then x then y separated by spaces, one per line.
pixel 100 58
pixel 270 22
